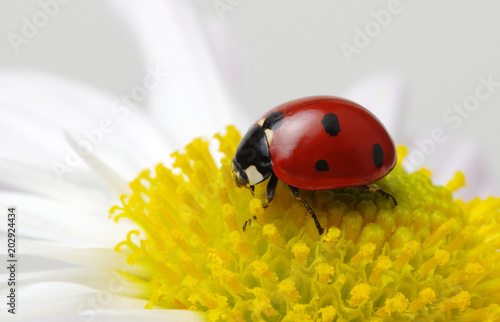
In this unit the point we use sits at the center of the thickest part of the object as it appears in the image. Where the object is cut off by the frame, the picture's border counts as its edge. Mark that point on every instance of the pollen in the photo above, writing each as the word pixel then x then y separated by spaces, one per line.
pixel 301 251
pixel 440 257
pixel 327 313
pixel 398 303
pixel 273 234
pixel 384 263
pixel 288 288
pixel 262 303
pixel 325 271
pixel 332 236
pixel 298 313
pixel 426 296
pixel 261 269
pixel 430 257
pixel 239 244
pixel 360 293
pixel 365 253
pixel 408 251
pixel 460 301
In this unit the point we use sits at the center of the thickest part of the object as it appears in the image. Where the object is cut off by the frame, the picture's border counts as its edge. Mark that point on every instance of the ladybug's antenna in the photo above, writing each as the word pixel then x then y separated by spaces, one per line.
pixel 251 188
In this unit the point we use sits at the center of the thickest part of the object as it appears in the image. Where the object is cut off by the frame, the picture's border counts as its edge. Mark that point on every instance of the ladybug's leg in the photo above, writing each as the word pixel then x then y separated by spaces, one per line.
pixel 374 187
pixel 271 189
pixel 248 223
pixel 296 194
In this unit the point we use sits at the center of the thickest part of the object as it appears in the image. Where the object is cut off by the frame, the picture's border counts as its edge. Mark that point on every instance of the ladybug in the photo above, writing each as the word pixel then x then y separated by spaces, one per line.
pixel 315 143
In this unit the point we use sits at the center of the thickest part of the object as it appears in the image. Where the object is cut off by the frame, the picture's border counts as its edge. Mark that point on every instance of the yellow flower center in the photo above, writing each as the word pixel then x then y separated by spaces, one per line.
pixel 428 258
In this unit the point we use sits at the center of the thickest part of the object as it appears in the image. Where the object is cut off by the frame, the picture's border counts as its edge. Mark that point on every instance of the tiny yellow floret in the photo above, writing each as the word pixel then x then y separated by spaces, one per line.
pixel 261 269
pixel 239 244
pixel 409 250
pixel 325 271
pixel 271 231
pixel 440 258
pixel 301 251
pixel 262 303
pixel 298 313
pixel 331 237
pixel 425 296
pixel 287 287
pixel 396 304
pixel 365 253
pixel 489 314
pixel 457 182
pixel 360 293
pixel 327 313
pixel 460 301
pixel 384 263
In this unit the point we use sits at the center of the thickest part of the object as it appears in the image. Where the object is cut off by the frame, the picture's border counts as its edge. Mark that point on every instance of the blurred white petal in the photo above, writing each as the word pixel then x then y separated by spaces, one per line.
pixel 98 279
pixel 55 220
pixel 63 301
pixel 193 99
pixel 48 105
pixel 39 180
pixel 81 255
pixel 383 95
pixel 445 159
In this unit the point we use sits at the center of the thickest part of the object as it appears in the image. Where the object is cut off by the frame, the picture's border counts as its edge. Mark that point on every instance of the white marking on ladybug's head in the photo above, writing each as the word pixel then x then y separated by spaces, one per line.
pixel 253 175
pixel 269 136
pixel 261 122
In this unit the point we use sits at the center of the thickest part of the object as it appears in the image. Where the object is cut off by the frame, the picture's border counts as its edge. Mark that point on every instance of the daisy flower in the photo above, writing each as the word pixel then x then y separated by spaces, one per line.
pixel 147 233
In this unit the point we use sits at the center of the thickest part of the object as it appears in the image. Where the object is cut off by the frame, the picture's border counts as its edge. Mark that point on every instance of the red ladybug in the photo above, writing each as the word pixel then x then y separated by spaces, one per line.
pixel 315 143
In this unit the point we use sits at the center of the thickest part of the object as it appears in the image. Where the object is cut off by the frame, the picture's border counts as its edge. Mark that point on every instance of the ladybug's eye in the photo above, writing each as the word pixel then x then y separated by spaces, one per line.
pixel 243 177
pixel 240 177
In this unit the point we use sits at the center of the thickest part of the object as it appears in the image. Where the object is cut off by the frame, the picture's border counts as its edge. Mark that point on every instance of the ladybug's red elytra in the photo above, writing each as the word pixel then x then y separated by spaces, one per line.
pixel 315 143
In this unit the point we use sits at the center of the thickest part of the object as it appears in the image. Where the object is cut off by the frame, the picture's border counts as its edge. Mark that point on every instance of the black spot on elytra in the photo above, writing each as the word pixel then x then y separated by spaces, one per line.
pixel 273 121
pixel 322 165
pixel 331 124
pixel 378 155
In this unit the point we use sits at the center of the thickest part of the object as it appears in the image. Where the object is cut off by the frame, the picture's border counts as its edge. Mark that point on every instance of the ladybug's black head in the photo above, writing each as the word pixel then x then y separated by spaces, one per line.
pixel 252 161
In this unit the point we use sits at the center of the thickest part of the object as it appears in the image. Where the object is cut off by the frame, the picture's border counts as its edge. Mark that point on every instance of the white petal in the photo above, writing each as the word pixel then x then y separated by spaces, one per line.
pixel 445 159
pixel 132 315
pixel 99 279
pixel 114 181
pixel 79 254
pixel 383 95
pixel 37 108
pixel 58 221
pixel 38 181
pixel 150 315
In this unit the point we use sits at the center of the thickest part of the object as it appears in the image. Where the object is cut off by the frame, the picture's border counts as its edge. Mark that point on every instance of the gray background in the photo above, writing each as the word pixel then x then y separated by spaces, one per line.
pixel 288 49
